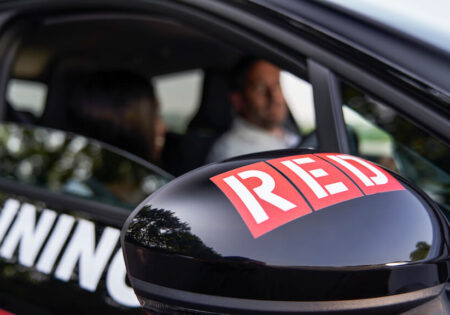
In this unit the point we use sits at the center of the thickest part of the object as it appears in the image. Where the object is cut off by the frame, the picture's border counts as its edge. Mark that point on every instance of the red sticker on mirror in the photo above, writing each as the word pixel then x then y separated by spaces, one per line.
pixel 369 177
pixel 266 199
pixel 320 182
pixel 262 196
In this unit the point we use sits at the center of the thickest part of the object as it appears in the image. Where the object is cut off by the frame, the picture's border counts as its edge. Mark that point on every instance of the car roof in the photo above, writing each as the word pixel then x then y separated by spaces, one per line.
pixel 147 45
pixel 393 43
pixel 427 21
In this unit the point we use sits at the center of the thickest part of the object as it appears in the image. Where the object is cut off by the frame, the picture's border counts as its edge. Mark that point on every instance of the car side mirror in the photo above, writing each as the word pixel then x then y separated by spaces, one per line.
pixel 287 231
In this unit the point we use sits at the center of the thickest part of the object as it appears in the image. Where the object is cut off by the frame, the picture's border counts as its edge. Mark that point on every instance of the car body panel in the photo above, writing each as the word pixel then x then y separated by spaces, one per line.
pixel 60 222
pixel 322 42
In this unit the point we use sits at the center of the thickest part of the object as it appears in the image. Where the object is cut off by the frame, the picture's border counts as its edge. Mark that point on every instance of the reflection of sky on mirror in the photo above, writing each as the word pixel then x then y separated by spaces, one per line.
pixel 427 20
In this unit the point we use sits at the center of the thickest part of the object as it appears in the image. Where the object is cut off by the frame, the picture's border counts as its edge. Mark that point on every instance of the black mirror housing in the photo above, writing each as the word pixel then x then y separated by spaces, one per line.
pixel 287 231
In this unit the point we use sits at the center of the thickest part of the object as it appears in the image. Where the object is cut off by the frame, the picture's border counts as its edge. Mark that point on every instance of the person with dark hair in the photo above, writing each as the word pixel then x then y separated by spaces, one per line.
pixel 120 108
pixel 261 111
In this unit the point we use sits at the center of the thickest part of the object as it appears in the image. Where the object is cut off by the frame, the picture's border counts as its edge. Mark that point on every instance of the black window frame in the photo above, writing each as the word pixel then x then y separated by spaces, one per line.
pixel 256 30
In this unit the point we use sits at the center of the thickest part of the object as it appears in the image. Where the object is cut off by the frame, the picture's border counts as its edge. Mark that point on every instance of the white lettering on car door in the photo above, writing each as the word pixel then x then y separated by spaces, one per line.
pixel 55 243
pixel 8 213
pixel 29 235
pixel 92 260
pixel 115 282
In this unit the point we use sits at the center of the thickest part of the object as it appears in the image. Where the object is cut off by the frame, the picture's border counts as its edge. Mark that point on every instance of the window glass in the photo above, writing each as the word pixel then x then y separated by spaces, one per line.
pixel 99 93
pixel 260 121
pixel 299 98
pixel 179 96
pixel 74 165
pixel 385 137
pixel 27 96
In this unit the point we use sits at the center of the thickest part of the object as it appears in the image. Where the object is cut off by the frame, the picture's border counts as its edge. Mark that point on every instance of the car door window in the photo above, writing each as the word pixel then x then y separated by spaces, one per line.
pixel 179 96
pixel 27 96
pixel 299 98
pixel 74 165
pixel 385 137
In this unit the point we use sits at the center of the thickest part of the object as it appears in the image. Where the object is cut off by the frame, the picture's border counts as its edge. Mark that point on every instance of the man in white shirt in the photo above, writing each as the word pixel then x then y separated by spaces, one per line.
pixel 261 109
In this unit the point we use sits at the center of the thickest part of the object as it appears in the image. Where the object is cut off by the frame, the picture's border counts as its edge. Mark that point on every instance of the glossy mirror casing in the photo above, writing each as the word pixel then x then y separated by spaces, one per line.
pixel 188 245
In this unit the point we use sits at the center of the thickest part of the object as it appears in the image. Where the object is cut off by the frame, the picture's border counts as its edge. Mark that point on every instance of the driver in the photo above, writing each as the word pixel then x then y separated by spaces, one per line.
pixel 261 111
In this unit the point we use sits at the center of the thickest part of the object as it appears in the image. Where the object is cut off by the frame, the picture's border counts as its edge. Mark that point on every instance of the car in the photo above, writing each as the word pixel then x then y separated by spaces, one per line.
pixel 359 79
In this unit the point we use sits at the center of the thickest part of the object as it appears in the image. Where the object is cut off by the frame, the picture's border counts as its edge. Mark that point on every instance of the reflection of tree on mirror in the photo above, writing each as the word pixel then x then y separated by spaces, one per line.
pixel 63 162
pixel 161 229
pixel 421 252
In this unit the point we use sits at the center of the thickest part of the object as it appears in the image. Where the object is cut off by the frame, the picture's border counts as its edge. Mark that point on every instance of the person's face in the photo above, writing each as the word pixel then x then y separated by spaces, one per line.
pixel 264 103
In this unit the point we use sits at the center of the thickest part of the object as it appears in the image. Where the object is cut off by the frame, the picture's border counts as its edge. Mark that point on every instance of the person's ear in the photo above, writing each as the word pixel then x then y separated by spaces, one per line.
pixel 237 100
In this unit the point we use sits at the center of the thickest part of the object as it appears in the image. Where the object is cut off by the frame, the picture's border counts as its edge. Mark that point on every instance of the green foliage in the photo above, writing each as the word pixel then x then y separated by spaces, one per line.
pixel 161 229
pixel 421 252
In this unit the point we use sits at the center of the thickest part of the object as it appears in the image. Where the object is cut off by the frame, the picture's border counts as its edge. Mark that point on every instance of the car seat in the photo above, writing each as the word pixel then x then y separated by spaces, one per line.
pixel 185 152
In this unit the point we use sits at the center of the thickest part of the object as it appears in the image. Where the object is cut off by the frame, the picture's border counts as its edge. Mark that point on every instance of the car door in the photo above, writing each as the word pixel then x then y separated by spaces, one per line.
pixel 63 200
pixel 287 38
